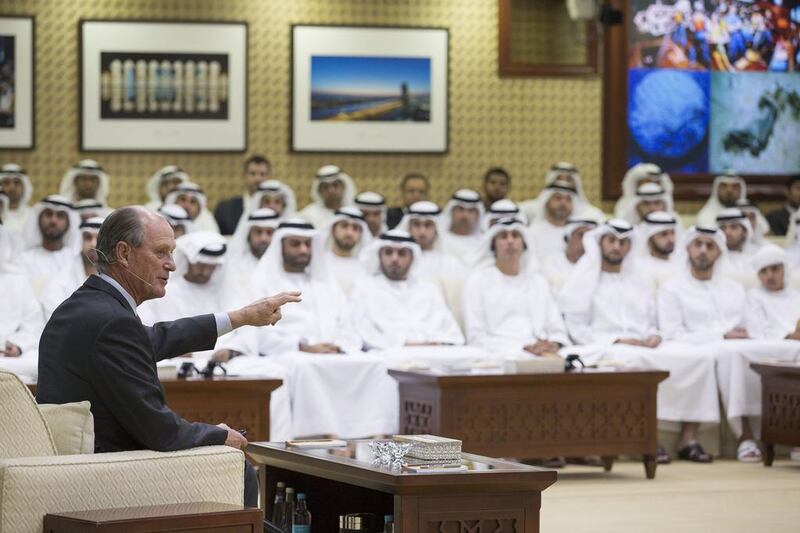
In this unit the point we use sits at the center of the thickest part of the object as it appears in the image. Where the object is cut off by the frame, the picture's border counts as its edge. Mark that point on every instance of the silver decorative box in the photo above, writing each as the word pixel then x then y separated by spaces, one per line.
pixel 431 447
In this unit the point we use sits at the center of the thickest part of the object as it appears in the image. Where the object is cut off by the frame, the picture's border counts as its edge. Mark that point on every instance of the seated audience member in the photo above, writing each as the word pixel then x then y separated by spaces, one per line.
pixel 461 219
pixel 556 267
pixel 191 197
pixel 649 198
pixel 496 186
pixel 257 169
pixel 655 246
pixel 564 173
pixel 737 262
pixel 14 182
pixel 414 187
pixel 21 318
pixel 247 247
pixel 423 222
pixel 547 231
pixel 636 176
pixel 275 196
pixel 89 208
pixel 757 222
pixel 781 218
pixel 87 181
pixel 394 305
pixel 501 209
pixel 726 191
pixel 341 241
pixel 322 322
pixel 773 306
pixel 703 308
pixel 610 311
pixel 163 182
pixel 51 240
pixel 178 219
pixel 94 348
pixel 67 281
pixel 331 190
pixel 373 207
pixel 507 309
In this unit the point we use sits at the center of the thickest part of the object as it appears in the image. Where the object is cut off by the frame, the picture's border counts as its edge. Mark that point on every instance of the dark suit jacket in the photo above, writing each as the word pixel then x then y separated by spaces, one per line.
pixel 95 348
pixel 228 213
pixel 393 216
pixel 779 221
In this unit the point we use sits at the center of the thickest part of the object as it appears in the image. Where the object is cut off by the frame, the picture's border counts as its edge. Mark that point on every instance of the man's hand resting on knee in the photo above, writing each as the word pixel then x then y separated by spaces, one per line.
pixel 235 439
pixel 263 312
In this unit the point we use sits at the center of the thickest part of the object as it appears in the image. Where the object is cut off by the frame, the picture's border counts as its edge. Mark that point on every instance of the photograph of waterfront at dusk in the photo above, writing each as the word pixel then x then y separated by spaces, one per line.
pixel 361 88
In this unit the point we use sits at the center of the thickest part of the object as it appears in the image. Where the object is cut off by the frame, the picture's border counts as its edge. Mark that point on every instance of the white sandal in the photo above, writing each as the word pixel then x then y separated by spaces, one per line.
pixel 749 452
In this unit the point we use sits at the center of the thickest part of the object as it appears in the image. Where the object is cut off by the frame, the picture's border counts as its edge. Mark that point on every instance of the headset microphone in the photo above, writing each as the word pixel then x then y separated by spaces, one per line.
pixel 126 269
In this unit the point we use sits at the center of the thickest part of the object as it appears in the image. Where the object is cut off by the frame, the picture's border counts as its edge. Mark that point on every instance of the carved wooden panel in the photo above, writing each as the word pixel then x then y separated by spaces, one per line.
pixel 484 521
pixel 783 411
pixel 416 416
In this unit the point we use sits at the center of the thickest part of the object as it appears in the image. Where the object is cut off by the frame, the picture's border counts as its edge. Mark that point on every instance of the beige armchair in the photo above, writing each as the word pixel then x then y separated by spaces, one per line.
pixel 47 466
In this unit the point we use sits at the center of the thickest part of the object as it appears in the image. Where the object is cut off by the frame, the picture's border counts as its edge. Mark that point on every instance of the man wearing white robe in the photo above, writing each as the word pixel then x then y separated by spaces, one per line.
pixel 547 230
pixel 87 181
pixel 274 195
pixel 650 198
pixel 21 320
pixel 636 176
pixel 163 182
pixel 503 208
pixel 14 182
pixel 178 219
pixel 331 190
pixel 322 322
pixel 737 263
pixel 655 247
pixel 702 307
pixel 461 219
pixel 59 288
pixel 373 207
pixel 393 306
pixel 341 241
pixel 610 311
pixel 508 310
pixel 565 173
pixel 423 222
pixel 726 191
pixel 247 246
pixel 51 240
pixel 557 267
pixel 191 197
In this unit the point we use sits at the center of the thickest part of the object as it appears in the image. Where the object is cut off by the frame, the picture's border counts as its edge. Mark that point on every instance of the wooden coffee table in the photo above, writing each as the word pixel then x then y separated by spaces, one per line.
pixel 492 495
pixel 239 402
pixel 592 412
pixel 780 406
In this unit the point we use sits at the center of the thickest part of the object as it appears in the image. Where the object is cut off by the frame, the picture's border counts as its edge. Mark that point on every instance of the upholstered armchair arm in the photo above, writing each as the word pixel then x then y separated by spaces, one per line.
pixel 35 486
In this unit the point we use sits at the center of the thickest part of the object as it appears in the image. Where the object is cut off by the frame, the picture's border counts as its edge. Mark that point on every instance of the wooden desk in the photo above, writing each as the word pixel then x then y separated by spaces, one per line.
pixel 780 406
pixel 576 414
pixel 240 402
pixel 493 495
pixel 187 517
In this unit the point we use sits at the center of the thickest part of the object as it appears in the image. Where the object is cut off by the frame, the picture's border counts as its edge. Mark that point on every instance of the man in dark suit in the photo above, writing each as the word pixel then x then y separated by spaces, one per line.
pixel 95 347
pixel 257 169
pixel 780 219
pixel 414 187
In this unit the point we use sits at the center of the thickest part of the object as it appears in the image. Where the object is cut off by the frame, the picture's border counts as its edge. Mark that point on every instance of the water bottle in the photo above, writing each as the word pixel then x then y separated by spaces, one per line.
pixel 279 507
pixel 388 523
pixel 301 518
pixel 288 506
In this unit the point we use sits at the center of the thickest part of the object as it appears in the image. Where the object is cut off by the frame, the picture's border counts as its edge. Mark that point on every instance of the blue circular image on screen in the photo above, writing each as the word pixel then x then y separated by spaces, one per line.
pixel 668 113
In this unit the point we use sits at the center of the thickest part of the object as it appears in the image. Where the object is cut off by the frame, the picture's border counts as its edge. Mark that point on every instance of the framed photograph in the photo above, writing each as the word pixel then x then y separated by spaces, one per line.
pixel 163 86
pixel 369 89
pixel 17 74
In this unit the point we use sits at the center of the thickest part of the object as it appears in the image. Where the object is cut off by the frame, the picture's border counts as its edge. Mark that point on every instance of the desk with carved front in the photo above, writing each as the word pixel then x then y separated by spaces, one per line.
pixel 576 414
pixel 780 406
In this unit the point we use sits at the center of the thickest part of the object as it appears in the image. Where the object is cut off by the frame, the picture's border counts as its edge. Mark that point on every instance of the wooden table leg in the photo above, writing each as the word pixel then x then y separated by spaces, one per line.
pixel 769 453
pixel 608 462
pixel 649 465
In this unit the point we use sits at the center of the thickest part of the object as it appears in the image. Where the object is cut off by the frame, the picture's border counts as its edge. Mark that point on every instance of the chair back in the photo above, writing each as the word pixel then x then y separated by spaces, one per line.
pixel 24 432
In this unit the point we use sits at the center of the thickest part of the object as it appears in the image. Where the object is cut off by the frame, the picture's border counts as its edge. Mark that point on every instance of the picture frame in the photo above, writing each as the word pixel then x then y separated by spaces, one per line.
pixel 163 86
pixel 369 89
pixel 17 82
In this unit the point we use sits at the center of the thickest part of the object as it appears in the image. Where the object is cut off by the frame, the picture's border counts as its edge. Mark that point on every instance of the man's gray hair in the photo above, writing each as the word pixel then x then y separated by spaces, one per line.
pixel 123 225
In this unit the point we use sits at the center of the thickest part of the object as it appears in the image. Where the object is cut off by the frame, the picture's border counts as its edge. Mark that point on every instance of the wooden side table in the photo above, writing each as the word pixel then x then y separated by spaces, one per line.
pixel 576 414
pixel 188 517
pixel 780 406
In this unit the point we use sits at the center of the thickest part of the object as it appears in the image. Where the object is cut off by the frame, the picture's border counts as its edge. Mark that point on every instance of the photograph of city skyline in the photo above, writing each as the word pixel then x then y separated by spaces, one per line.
pixel 369 88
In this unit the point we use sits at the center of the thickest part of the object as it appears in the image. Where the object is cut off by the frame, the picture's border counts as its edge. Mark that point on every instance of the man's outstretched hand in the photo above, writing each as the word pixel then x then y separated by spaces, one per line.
pixel 263 312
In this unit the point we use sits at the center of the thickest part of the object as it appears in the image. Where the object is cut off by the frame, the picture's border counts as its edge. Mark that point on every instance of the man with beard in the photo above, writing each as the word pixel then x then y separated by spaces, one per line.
pixel 87 181
pixel 392 306
pixel 655 259
pixel 496 186
pixel 461 219
pixel 726 191
pixel 331 190
pixel 51 240
pixel 247 247
pixel 163 182
pixel 737 262
pixel 547 231
pixel 342 240
pixel 59 288
pixel 191 197
pixel 373 207
pixel 610 311
pixel 14 182
pixel 707 312
pixel 556 267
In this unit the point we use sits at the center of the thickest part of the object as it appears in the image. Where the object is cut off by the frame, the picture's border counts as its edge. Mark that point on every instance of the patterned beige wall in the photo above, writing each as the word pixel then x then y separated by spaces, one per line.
pixel 522 124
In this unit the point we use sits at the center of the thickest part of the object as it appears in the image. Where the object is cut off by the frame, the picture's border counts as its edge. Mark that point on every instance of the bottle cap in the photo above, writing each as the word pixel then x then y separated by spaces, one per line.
pixel 301 496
